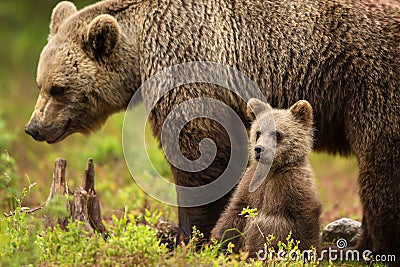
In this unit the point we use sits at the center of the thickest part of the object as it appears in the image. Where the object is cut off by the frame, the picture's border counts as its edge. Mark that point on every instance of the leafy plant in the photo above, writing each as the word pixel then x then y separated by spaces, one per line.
pixel 7 182
pixel 18 237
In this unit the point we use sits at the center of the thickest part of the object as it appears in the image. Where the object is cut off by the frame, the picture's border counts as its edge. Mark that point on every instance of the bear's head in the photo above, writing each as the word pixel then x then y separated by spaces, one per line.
pixel 280 136
pixel 85 73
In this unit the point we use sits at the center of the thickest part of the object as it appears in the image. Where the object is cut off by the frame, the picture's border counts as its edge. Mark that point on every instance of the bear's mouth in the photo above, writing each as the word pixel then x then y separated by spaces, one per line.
pixel 61 135
pixel 265 158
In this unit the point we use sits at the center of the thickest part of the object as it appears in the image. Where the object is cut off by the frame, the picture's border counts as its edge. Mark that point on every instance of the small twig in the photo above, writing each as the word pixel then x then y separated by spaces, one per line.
pixel 260 231
pixel 26 211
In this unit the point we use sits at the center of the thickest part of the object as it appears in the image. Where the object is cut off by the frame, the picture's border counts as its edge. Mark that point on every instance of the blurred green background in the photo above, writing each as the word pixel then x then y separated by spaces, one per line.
pixel 24 28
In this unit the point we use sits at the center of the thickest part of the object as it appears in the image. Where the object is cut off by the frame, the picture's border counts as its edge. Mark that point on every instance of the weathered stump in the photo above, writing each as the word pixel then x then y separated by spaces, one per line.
pixel 82 204
pixel 58 185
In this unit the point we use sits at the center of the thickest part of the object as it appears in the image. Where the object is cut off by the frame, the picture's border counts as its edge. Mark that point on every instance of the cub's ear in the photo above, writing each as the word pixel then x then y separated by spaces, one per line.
pixel 303 112
pixel 102 36
pixel 61 12
pixel 256 107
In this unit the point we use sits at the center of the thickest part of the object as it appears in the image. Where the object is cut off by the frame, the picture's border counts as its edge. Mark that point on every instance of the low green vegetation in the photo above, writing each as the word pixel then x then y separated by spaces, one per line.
pixel 131 240
pixel 7 181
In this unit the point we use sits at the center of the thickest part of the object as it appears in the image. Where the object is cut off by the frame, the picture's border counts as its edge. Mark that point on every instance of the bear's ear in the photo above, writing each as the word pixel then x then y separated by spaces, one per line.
pixel 61 12
pixel 303 112
pixel 255 107
pixel 102 36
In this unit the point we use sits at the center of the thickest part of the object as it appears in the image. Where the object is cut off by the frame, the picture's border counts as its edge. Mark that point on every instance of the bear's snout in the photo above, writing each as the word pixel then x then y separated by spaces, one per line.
pixel 258 151
pixel 31 129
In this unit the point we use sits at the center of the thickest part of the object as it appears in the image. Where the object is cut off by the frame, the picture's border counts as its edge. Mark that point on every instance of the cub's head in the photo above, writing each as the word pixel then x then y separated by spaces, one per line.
pixel 84 74
pixel 283 136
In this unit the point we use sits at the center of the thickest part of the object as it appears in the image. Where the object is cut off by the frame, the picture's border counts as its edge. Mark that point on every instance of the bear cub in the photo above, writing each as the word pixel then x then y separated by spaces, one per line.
pixel 278 182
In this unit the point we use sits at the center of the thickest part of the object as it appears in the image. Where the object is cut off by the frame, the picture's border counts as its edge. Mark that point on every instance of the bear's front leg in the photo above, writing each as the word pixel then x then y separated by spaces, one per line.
pixel 231 224
pixel 203 217
pixel 379 180
pixel 202 207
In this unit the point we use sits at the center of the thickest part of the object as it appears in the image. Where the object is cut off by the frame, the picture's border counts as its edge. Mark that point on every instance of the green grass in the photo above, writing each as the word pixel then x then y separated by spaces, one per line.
pixel 130 242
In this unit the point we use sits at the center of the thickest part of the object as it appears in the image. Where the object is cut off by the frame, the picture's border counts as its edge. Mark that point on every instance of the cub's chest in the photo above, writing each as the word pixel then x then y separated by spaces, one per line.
pixel 271 197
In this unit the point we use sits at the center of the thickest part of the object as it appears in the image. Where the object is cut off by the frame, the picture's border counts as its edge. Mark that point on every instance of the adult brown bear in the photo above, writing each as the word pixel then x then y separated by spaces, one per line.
pixel 342 56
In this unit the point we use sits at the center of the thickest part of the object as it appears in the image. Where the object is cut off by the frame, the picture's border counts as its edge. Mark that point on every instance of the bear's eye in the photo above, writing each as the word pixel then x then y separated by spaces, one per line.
pixel 258 134
pixel 277 135
pixel 57 91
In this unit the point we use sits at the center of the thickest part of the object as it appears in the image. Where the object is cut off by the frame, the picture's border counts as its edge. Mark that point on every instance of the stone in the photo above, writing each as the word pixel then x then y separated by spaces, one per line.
pixel 342 229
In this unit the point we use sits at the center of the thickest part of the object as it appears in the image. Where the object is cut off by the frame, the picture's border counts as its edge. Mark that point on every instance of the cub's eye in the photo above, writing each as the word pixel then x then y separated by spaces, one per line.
pixel 258 134
pixel 57 91
pixel 277 135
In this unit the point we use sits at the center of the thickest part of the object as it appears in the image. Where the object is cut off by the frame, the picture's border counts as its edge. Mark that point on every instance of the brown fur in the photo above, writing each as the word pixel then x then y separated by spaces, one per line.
pixel 342 56
pixel 286 200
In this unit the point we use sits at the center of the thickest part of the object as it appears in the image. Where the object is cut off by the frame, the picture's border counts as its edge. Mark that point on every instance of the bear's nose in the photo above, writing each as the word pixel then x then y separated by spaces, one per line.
pixel 258 150
pixel 31 129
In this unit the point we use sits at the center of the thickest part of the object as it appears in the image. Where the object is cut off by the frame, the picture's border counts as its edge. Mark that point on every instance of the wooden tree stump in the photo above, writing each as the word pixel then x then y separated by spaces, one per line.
pixel 82 204
pixel 58 185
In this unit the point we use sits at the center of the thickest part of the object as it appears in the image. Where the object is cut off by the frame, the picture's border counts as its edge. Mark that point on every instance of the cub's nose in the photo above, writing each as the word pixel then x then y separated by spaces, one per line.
pixel 31 129
pixel 258 150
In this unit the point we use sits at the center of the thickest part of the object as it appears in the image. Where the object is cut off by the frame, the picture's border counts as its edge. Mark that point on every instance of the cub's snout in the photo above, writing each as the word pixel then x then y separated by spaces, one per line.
pixel 258 150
